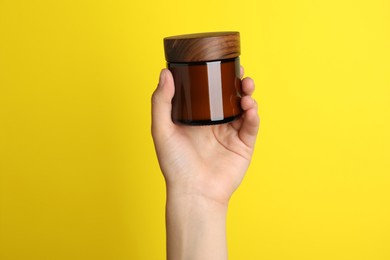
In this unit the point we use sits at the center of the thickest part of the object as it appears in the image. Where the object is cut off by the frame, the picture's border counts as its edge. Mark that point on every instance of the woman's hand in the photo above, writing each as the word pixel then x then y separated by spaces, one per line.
pixel 206 161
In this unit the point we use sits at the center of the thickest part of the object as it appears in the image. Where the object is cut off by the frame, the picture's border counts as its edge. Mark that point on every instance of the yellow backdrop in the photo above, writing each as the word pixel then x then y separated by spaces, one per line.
pixel 78 174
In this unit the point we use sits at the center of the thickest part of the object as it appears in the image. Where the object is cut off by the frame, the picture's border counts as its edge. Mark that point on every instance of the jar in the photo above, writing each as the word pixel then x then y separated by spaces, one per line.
pixel 206 73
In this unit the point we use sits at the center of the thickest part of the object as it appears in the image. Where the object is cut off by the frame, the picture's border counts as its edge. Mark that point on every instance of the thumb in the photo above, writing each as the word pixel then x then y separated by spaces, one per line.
pixel 162 105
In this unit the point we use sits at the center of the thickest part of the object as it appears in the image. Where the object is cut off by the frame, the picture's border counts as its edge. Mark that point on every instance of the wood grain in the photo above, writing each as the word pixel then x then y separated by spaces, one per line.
pixel 202 47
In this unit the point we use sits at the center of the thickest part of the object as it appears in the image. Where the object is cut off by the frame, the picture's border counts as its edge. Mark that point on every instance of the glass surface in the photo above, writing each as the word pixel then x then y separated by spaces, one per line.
pixel 206 92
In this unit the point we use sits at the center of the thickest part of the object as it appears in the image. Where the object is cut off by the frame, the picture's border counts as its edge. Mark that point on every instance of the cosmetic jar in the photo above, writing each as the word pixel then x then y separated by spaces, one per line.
pixel 206 73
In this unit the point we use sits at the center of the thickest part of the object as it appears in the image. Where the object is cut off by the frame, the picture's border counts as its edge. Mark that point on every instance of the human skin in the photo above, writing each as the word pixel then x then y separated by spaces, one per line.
pixel 202 167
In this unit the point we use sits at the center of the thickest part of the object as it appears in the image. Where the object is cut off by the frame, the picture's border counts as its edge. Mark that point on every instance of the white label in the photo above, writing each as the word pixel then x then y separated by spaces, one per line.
pixel 215 90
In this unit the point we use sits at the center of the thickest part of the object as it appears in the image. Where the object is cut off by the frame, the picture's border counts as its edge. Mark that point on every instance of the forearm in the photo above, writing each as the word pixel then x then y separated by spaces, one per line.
pixel 196 228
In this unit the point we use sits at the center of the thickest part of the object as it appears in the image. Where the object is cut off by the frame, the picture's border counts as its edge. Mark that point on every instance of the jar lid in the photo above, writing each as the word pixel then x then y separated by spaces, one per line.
pixel 202 47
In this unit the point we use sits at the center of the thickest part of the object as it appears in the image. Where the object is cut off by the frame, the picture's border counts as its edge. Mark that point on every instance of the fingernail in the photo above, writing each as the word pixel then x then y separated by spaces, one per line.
pixel 162 77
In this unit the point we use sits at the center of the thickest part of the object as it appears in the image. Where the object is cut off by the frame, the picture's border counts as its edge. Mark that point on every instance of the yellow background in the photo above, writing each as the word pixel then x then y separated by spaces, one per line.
pixel 78 174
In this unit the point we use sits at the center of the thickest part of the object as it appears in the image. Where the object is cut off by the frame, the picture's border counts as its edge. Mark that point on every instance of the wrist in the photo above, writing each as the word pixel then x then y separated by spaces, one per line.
pixel 209 192
pixel 185 203
pixel 196 227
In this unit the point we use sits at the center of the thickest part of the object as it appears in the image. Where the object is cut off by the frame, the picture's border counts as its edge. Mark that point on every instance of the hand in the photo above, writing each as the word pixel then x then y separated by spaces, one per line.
pixel 205 161
pixel 202 166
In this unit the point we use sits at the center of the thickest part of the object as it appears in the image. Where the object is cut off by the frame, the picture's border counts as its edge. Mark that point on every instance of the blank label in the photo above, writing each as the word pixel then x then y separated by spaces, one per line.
pixel 215 90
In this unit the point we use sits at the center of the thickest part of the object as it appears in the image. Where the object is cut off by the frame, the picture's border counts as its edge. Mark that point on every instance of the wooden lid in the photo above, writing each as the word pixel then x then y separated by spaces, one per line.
pixel 202 47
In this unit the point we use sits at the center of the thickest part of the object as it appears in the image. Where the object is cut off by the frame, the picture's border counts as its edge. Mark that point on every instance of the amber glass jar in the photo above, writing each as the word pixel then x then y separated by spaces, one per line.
pixel 206 72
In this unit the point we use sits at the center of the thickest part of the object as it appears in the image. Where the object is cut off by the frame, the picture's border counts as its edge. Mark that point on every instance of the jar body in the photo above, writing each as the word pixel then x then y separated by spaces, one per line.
pixel 206 92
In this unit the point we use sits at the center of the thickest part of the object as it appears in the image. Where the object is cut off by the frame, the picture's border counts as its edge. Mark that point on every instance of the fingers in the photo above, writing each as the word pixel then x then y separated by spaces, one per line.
pixel 250 120
pixel 247 102
pixel 250 127
pixel 242 71
pixel 161 105
pixel 248 86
